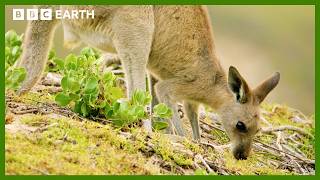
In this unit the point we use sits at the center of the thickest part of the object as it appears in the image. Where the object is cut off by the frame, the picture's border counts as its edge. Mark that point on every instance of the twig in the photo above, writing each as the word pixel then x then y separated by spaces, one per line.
pixel 222 170
pixel 196 165
pixel 100 119
pixel 41 129
pixel 24 111
pixel 299 151
pixel 265 149
pixel 298 144
pixel 301 159
pixel 281 163
pixel 301 114
pixel 265 121
pixel 302 171
pixel 286 127
pixel 199 156
pixel 278 141
pixel 293 152
pixel 216 147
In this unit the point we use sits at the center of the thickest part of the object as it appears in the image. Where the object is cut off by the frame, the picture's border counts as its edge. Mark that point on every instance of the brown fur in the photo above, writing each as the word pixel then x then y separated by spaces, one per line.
pixel 175 44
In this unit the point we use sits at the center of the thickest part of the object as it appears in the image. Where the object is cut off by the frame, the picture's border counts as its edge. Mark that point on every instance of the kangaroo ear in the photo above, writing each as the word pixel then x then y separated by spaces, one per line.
pixel 238 85
pixel 266 86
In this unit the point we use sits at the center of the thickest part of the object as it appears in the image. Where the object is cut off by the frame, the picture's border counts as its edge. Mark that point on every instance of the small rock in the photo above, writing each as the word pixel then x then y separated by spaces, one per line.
pixel 52 79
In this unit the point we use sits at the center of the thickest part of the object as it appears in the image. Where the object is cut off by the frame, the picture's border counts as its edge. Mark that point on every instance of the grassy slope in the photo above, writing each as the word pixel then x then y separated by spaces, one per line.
pixel 72 147
pixel 55 144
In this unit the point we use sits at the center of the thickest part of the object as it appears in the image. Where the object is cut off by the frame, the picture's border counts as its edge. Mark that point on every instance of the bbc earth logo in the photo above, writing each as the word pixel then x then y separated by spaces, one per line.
pixel 49 14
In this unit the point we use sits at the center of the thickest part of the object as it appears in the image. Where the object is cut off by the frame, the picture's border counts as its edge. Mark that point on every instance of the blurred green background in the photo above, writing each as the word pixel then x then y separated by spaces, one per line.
pixel 258 40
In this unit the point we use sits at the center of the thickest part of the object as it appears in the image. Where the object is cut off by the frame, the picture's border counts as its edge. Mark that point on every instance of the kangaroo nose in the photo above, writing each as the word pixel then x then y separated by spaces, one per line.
pixel 240 155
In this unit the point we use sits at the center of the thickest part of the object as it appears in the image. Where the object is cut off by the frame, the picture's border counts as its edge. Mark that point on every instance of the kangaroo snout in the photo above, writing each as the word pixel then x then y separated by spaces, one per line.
pixel 240 153
pixel 241 150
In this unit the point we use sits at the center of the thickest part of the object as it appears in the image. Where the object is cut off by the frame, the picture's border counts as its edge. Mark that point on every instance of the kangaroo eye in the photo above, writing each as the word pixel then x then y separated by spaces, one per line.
pixel 241 126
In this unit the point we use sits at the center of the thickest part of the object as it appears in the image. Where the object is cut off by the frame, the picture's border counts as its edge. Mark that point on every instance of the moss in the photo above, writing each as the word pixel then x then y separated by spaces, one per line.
pixel 164 148
pixel 140 137
pixel 220 137
pixel 282 115
pixel 200 172
pixel 33 98
pixel 212 154
pixel 182 160
pixel 73 147
pixel 307 147
pixel 254 165
pixel 266 138
pixel 192 146
pixel 36 120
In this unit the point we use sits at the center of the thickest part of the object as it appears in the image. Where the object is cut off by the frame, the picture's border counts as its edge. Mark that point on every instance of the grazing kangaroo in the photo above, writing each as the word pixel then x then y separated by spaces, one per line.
pixel 174 44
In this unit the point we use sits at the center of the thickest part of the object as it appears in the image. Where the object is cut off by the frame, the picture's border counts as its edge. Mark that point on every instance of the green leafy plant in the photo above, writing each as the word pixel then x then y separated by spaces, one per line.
pixel 13 48
pixel 52 65
pixel 55 64
pixel 13 75
pixel 161 111
pixel 94 93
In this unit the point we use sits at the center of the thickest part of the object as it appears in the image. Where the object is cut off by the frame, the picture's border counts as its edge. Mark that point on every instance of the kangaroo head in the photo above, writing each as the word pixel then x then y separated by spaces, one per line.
pixel 240 115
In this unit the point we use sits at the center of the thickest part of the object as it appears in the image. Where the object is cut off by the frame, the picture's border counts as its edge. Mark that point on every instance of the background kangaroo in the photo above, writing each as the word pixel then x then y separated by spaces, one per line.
pixel 175 45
